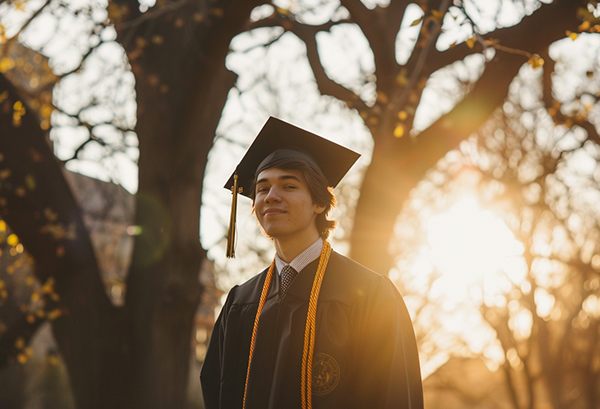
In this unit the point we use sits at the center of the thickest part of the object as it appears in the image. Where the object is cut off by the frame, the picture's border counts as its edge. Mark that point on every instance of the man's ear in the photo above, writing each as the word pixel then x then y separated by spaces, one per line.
pixel 319 209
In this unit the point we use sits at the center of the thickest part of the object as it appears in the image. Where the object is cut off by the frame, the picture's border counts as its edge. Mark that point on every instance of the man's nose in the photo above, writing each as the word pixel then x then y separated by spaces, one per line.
pixel 273 195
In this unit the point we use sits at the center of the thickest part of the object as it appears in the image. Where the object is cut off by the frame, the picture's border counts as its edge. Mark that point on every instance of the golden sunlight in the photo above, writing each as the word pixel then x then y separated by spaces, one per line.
pixel 470 246
pixel 470 257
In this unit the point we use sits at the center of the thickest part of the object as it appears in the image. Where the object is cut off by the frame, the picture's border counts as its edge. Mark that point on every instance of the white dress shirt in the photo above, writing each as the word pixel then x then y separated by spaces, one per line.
pixel 303 259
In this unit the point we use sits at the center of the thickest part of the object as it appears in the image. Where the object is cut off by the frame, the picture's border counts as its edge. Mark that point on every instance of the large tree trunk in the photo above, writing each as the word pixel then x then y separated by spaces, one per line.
pixel 398 164
pixel 182 85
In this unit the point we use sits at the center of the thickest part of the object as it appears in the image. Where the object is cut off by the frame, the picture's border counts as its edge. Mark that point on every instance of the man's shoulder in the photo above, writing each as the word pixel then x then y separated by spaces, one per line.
pixel 350 268
pixel 348 276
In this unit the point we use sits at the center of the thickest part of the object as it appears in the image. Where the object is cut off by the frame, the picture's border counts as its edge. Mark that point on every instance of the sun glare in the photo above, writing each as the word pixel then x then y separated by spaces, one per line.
pixel 470 257
pixel 471 246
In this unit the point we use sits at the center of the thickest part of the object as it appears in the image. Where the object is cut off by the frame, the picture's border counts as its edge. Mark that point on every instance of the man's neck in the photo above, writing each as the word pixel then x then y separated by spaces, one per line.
pixel 288 248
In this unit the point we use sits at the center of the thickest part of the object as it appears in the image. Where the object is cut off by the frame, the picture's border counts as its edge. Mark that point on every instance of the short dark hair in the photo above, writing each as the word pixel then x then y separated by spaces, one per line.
pixel 320 192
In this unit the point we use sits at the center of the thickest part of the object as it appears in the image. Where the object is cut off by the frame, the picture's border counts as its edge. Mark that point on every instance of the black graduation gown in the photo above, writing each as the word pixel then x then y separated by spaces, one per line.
pixel 365 352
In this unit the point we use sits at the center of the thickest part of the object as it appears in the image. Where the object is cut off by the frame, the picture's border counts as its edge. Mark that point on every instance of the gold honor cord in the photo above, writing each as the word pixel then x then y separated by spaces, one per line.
pixel 309 332
pixel 231 232
pixel 261 304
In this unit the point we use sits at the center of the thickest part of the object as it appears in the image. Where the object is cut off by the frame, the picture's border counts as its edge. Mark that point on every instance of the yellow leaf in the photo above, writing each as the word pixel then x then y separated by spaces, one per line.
pixel 140 42
pixel 153 80
pixel 283 11
pixel 50 215
pixel 416 22
pixel 54 314
pixel 117 13
pixel 584 26
pixel 402 115
pixel 22 358
pixel 381 97
pixel 6 64
pixel 471 42
pixel 401 79
pixel 20 343
pixel 438 15
pixel 157 40
pixel 536 61
pixel 30 319
pixel 399 131
pixel 35 297
pixel 53 360
pixel 30 182
pixel 572 35
pixel 584 14
pixel 217 12
pixel 12 240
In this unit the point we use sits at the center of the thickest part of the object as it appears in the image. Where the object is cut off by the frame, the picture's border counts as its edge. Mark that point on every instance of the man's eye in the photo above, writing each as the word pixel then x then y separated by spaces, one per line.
pixel 262 189
pixel 289 187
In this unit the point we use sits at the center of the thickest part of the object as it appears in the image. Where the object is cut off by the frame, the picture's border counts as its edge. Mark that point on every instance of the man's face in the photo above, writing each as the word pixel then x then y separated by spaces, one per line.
pixel 283 204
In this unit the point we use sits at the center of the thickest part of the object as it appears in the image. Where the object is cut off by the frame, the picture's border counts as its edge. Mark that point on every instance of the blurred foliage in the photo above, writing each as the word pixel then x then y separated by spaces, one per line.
pixel 535 164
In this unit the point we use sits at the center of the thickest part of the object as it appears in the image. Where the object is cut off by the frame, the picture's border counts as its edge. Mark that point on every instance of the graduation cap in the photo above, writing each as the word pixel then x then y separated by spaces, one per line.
pixel 276 142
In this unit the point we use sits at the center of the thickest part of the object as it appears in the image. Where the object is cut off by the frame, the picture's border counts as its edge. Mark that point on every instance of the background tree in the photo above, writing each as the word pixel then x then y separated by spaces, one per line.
pixel 136 355
pixel 387 94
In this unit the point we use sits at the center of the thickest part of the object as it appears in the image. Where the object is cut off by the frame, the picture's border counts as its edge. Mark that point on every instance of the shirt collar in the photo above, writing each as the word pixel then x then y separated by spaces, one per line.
pixel 303 259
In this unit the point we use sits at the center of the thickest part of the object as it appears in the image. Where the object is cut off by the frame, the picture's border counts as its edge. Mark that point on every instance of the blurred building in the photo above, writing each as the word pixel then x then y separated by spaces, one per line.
pixel 108 212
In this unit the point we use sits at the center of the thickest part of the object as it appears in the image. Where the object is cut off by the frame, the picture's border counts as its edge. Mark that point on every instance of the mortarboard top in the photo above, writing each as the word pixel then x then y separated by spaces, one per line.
pixel 332 159
pixel 289 141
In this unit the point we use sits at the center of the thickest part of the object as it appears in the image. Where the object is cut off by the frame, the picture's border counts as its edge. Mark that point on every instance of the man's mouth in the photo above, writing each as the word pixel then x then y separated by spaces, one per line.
pixel 271 212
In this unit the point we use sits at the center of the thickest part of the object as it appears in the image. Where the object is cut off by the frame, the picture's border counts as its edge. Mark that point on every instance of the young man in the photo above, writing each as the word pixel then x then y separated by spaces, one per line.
pixel 315 329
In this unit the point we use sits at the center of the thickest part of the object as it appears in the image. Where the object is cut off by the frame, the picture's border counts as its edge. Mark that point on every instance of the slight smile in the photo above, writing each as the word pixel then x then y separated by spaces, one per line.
pixel 273 211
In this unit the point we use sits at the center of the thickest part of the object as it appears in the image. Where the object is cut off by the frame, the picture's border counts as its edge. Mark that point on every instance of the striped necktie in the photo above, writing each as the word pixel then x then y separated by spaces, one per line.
pixel 287 276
